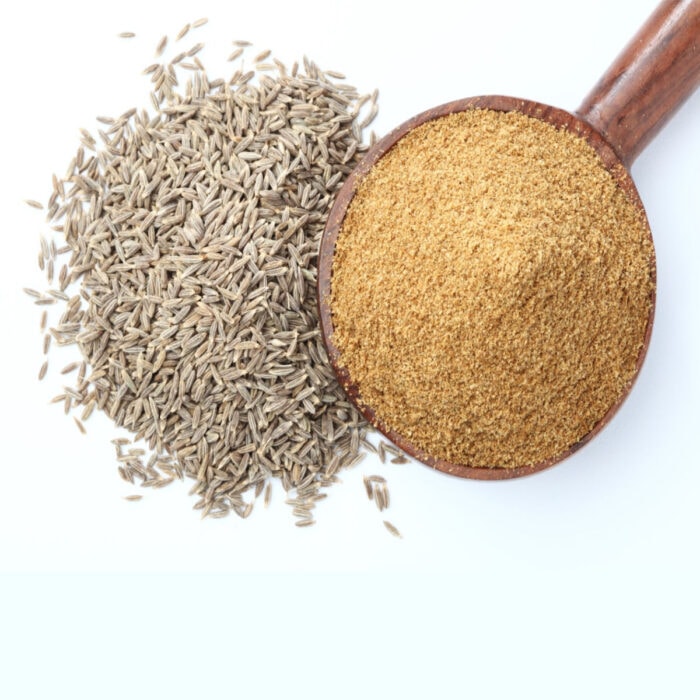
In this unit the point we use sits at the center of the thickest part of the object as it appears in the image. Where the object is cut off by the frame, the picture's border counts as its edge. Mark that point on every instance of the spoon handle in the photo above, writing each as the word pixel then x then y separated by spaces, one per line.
pixel 652 77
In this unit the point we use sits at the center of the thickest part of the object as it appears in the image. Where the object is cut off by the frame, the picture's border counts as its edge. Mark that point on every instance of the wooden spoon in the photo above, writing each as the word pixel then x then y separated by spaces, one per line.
pixel 647 83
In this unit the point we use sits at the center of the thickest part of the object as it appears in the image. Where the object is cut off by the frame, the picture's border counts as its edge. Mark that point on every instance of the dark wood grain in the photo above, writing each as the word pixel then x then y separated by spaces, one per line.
pixel 652 77
pixel 558 118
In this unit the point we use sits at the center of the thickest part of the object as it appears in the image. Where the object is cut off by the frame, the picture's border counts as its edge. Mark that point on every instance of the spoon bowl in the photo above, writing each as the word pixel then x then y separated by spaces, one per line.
pixel 641 90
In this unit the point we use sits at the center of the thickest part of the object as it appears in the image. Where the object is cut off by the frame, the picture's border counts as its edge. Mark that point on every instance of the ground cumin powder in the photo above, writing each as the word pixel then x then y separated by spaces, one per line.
pixel 491 289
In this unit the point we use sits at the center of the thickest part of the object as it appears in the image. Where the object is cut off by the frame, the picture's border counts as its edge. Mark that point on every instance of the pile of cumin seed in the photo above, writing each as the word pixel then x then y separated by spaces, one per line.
pixel 186 273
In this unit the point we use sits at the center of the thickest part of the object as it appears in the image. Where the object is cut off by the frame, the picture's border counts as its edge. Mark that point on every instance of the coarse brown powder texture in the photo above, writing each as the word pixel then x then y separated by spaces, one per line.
pixel 491 289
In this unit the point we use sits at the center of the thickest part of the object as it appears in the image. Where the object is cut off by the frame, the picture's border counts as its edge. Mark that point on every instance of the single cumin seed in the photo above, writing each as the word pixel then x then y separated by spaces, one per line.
pixel 392 529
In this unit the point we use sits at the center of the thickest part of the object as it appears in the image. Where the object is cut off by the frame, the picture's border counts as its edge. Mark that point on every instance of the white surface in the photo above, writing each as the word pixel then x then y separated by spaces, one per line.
pixel 581 581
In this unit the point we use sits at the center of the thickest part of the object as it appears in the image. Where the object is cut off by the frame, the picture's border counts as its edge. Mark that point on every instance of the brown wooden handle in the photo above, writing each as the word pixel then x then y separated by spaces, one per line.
pixel 652 77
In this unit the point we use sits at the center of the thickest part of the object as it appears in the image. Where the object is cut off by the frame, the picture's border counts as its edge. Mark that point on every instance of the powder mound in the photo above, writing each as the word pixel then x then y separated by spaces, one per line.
pixel 491 289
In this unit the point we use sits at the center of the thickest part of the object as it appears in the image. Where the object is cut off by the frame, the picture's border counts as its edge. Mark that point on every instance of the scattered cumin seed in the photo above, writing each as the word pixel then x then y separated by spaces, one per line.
pixel 380 497
pixel 43 370
pixel 356 460
pixel 133 497
pixel 392 529
pixel 182 32
pixel 80 425
pixel 219 513
pixel 199 22
pixel 305 523
pixel 161 46
pixel 385 496
pixel 126 35
pixel 393 450
pixel 262 56
pixel 33 203
pixel 367 445
pixel 87 410
pixel 370 117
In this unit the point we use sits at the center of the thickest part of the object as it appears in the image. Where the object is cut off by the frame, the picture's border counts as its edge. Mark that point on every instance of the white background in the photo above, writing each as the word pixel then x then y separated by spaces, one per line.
pixel 579 582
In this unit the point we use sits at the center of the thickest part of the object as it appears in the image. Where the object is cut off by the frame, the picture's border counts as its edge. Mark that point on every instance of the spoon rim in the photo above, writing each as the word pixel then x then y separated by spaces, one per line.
pixel 501 103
